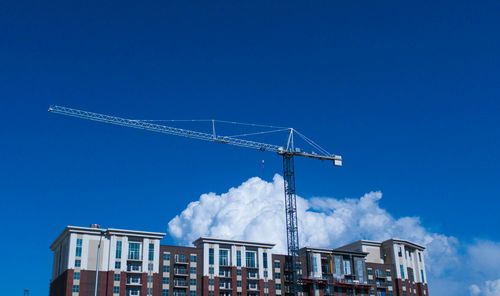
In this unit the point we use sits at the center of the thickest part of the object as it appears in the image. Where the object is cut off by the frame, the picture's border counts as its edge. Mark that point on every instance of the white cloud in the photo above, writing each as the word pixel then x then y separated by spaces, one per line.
pixel 255 211
pixel 489 288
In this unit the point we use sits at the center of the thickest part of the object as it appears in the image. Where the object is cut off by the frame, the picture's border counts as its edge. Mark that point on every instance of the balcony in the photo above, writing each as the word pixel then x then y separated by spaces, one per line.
pixel 381 285
pixel 225 286
pixel 181 271
pixel 133 293
pixel 224 273
pixel 181 284
pixel 134 268
pixel 181 260
pixel 252 276
pixel 134 281
pixel 253 288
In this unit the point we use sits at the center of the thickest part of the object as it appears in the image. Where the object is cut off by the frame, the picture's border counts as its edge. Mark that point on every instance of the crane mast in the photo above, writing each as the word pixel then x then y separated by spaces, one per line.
pixel 288 152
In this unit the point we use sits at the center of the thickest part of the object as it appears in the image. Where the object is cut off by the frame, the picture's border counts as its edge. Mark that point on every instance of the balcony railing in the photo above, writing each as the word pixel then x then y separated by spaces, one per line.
pixel 180 260
pixel 224 273
pixel 135 281
pixel 225 286
pixel 252 276
pixel 134 268
pixel 182 272
pixel 181 284
pixel 253 288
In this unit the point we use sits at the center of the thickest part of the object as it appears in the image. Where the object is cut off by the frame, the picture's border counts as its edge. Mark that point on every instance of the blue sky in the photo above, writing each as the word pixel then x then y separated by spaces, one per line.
pixel 406 92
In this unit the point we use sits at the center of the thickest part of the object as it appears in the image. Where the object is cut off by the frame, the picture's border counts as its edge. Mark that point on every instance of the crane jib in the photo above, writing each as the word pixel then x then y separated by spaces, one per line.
pixel 288 155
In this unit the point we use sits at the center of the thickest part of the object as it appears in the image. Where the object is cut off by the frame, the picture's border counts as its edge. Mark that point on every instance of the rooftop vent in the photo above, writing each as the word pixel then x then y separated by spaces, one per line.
pixel 95 226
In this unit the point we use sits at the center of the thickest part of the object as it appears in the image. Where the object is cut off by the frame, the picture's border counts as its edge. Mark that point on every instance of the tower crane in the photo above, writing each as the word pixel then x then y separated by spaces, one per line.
pixel 287 151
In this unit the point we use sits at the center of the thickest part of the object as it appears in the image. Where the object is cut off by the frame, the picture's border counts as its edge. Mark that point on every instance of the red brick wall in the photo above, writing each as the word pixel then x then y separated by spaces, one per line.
pixel 144 282
pixel 205 286
pixel 123 283
pixel 243 281
pixel 233 281
pixel 272 288
pixel 216 286
pixel 261 287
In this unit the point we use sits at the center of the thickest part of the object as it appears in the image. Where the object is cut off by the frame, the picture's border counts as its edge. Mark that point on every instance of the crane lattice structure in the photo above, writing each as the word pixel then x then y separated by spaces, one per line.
pixel 288 152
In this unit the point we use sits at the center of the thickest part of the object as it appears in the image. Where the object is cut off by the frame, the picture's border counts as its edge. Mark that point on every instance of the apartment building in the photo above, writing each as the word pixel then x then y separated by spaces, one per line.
pixel 394 267
pixel 122 262
pixel 236 268
pixel 133 263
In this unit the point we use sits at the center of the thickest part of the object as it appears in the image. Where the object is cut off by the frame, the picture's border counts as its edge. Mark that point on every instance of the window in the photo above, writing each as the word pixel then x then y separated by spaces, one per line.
pixel 276 264
pixel 164 292
pixel 134 251
pixel 117 277
pixel 150 266
pixel 402 271
pixel 211 282
pixel 78 263
pixel 277 275
pixel 116 290
pixel 422 274
pixel 76 288
pixel 166 256
pixel 151 255
pixel 388 272
pixel 370 271
pixel 192 293
pixel 238 272
pixel 278 286
pixel 360 271
pixel 265 273
pixel 118 253
pixel 78 247
pixel 372 292
pixel 347 267
pixel 192 270
pixel 150 278
pixel 410 274
pixel 149 291
pixel 264 258
pixel 238 258
pixel 211 256
pixel 211 270
pixel 420 257
pixel 315 264
pixel 223 257
pixel 180 258
pixel 250 259
pixel 165 280
pixel 400 253
pixel 118 265
pixel 389 283
pixel 193 258
pixel 166 268
pixel 76 276
pixel 337 266
pixel 192 282
pixel 238 283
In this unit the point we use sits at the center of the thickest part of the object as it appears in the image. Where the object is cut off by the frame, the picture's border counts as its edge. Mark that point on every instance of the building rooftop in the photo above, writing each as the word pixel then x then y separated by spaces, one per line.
pixel 102 231
pixel 209 240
